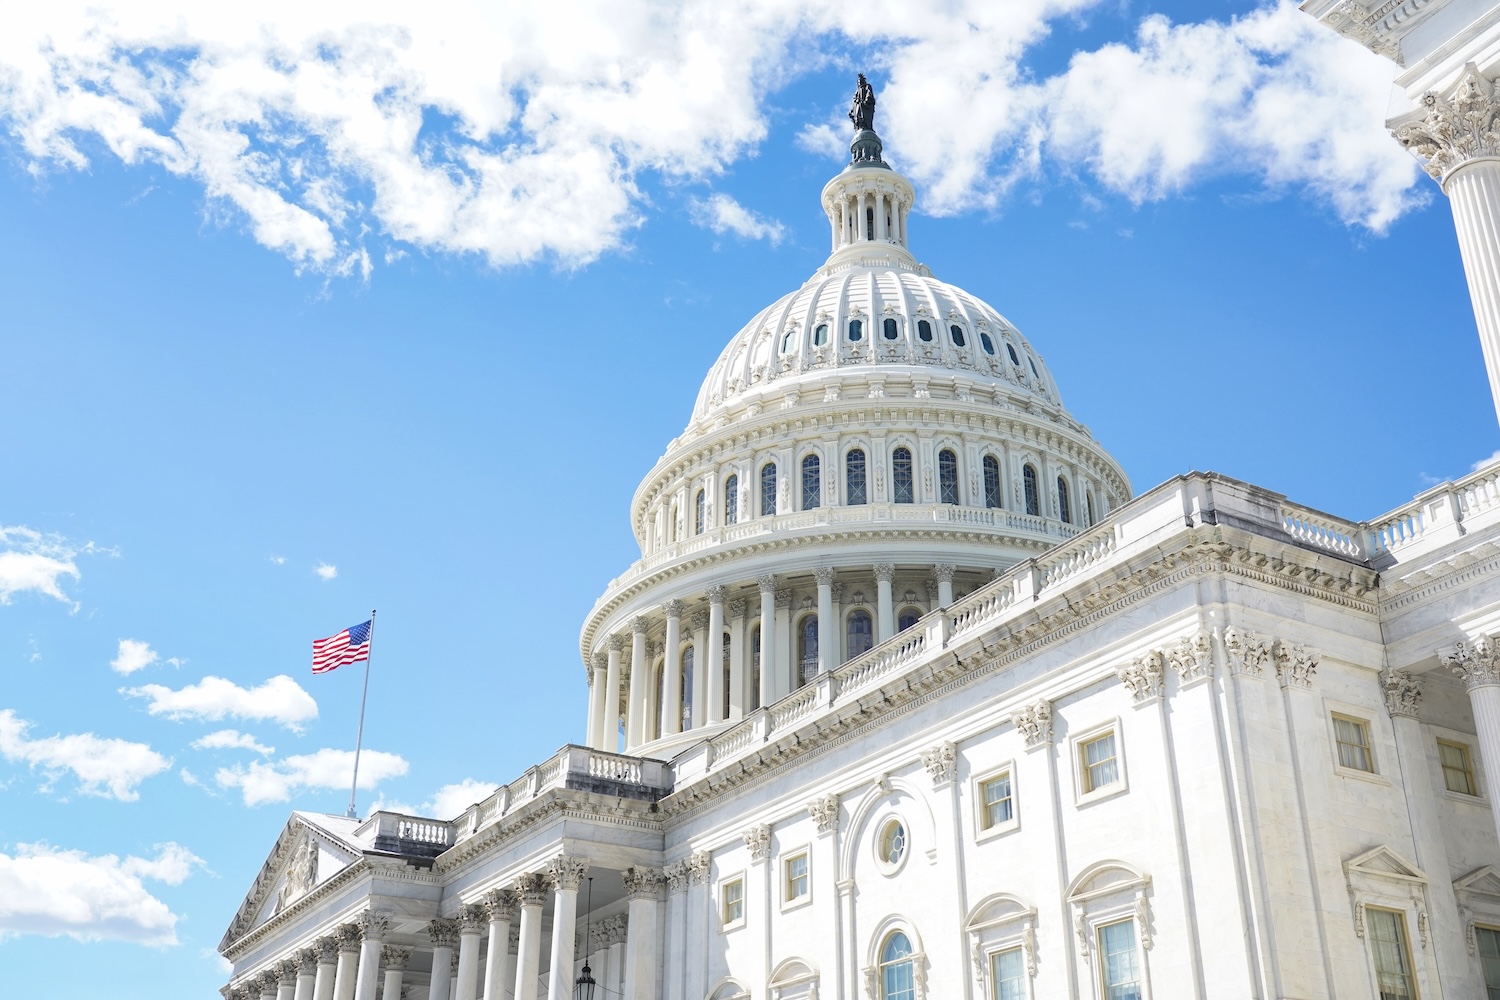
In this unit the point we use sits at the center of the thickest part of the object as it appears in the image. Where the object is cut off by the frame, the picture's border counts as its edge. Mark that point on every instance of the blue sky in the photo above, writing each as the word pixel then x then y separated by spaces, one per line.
pixel 437 361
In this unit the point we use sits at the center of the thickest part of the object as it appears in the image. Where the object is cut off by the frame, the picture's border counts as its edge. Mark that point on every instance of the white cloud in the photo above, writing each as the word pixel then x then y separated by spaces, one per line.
pixel 326 571
pixel 280 699
pixel 1485 461
pixel 723 214
pixel 277 781
pixel 133 655
pixel 231 739
pixel 450 800
pixel 53 892
pixel 278 560
pixel 35 561
pixel 108 768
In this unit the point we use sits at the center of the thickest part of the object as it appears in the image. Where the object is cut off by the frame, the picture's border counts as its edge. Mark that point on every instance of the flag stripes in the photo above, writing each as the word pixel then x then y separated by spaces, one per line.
pixel 350 646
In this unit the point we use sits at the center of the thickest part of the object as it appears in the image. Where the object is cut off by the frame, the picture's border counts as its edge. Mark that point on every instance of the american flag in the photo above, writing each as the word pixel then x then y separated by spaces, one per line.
pixel 350 646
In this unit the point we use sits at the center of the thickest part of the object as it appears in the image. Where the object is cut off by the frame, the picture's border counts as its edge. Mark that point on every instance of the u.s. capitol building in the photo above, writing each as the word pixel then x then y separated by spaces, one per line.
pixel 910 696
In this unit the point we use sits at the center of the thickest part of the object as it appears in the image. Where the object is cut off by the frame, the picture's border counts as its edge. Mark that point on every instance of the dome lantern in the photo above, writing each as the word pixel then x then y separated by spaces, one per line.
pixel 868 203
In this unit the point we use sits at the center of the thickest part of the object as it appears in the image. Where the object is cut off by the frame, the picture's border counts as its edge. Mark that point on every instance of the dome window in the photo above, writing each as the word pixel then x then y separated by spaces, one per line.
pixel 755 668
pixel 1032 362
pixel 768 489
pixel 1033 501
pixel 731 499
pixel 687 689
pixel 1088 497
pixel 991 481
pixel 890 329
pixel 856 330
pixel 861 633
pixel 812 488
pixel 908 618
pixel 947 476
pixel 1063 506
pixel 786 341
pixel 700 510
pixel 1013 359
pixel 807 649
pixel 820 335
pixel 986 342
pixel 901 478
pixel 854 477
pixel 957 333
pixel 924 330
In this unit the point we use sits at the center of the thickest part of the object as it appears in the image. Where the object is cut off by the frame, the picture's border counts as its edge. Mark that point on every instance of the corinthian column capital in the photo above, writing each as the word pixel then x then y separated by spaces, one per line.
pixel 1477 664
pixel 567 872
pixel 1447 132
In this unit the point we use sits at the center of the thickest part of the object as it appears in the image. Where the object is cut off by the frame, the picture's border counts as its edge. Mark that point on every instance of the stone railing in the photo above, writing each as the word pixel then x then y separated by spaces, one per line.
pixel 572 767
pixel 397 833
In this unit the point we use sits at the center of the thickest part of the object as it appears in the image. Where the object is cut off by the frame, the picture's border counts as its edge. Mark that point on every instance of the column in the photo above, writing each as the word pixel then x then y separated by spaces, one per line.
pixel 443 933
pixel 739 690
pixel 595 738
pixel 885 609
pixel 701 658
pixel 565 874
pixel 767 639
pixel 372 928
pixel 327 949
pixel 881 231
pixel 1478 666
pixel 532 889
pixel 286 979
pixel 472 919
pixel 307 974
pixel 394 959
pixel 671 715
pixel 611 733
pixel 864 204
pixel 785 663
pixel 713 660
pixel 500 906
pixel 836 654
pixel 348 967
pixel 452 978
pixel 266 984
pixel 826 624
pixel 643 886
pixel 640 669
pixel 944 574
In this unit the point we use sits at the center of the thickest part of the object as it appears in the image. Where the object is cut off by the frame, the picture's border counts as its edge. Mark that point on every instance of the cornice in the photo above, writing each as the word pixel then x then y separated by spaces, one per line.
pixel 277 922
pixel 1400 592
pixel 554 803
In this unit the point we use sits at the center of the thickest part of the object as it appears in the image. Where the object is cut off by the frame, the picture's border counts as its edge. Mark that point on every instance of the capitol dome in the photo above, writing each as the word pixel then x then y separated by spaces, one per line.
pixel 866 449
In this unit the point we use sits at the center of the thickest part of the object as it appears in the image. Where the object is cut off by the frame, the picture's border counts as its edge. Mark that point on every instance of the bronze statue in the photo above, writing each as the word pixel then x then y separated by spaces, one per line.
pixel 863 112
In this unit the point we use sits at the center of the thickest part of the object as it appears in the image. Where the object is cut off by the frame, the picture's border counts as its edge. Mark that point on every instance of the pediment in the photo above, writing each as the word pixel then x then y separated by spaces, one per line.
pixel 1483 881
pixel 311 849
pixel 1382 862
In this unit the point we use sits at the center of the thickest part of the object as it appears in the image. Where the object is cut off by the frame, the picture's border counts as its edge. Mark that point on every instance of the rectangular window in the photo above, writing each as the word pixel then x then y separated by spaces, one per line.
pixel 1119 964
pixel 1489 960
pixel 1100 765
pixel 1458 768
pixel 998 807
pixel 1353 739
pixel 1007 972
pixel 1393 976
pixel 733 896
pixel 796 876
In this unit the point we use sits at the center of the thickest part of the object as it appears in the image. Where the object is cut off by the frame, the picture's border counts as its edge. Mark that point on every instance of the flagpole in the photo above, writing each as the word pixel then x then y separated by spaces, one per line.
pixel 359 736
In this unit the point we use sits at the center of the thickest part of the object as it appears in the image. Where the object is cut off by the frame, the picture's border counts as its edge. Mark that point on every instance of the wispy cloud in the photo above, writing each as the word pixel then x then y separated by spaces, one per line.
pixel 232 739
pixel 447 802
pixel 722 214
pixel 277 560
pixel 38 562
pixel 277 781
pixel 108 768
pixel 326 571
pixel 280 700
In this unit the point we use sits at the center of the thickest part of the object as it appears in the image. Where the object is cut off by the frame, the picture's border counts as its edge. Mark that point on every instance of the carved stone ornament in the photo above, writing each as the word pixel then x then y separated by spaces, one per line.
pixel 698 867
pixel 783 600
pixel 1246 652
pixel 824 575
pixel 758 841
pixel 1358 23
pixel 941 762
pixel 825 812
pixel 286 972
pixel 885 572
pixel 307 962
pixel 716 594
pixel 393 957
pixel 674 608
pixel 532 888
pixel 618 642
pixel 473 919
pixel 1295 664
pixel 328 949
pixel 1477 664
pixel 944 572
pixel 1403 693
pixel 1193 658
pixel 373 924
pixel 640 624
pixel 501 904
pixel 348 937
pixel 1455 129
pixel 443 932
pixel 301 873
pixel 766 583
pixel 642 883
pixel 1034 723
pixel 737 608
pixel 677 877
pixel 700 621
pixel 1144 676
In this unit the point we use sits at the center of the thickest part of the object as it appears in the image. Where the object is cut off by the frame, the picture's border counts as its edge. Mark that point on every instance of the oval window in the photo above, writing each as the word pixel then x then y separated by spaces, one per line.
pixel 1013 359
pixel 892 846
pixel 890 329
pixel 924 330
pixel 957 334
pixel 820 335
pixel 856 330
pixel 989 345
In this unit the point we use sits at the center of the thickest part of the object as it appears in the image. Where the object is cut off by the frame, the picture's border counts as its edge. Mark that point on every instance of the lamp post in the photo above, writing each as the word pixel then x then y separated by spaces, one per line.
pixel 584 987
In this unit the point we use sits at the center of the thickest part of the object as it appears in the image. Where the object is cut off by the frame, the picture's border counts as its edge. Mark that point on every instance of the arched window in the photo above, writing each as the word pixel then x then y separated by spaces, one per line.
pixel 724 679
pixel 947 476
pixel 986 342
pixel 896 979
pixel 991 481
pixel 1012 352
pixel 820 335
pixel 672 523
pixel 907 618
pixel 854 475
pixel 661 684
pixel 700 508
pixel 768 489
pixel 924 330
pixel 786 341
pixel 861 633
pixel 869 223
pixel 755 668
pixel 891 332
pixel 1063 506
pixel 856 329
pixel 957 333
pixel 687 689
pixel 812 489
pixel 901 479
pixel 807 649
pixel 1033 500
pixel 1089 500
pixel 731 499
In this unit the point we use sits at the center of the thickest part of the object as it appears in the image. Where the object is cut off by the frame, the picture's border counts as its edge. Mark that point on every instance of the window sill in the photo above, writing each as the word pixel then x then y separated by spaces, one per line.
pixel 796 904
pixel 731 928
pixel 1468 800
pixel 1374 777
pixel 997 831
pixel 1107 792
